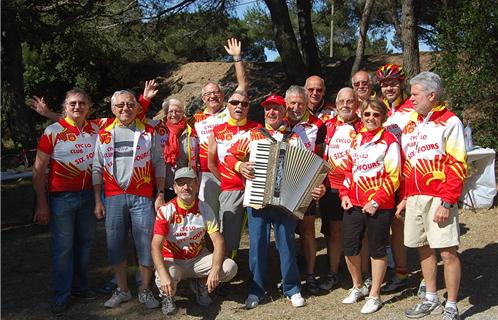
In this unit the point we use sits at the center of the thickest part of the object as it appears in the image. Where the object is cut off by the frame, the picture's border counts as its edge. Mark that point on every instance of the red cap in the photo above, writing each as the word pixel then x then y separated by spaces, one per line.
pixel 274 98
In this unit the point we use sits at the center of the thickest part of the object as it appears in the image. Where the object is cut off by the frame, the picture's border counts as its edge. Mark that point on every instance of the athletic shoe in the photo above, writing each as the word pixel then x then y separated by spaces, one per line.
pixel 329 281
pixel 297 300
pixel 423 309
pixel 223 289
pixel 451 314
pixel 117 297
pixel 168 306
pixel 355 294
pixel 201 292
pixel 252 301
pixel 85 295
pixel 58 308
pixel 372 305
pixel 107 288
pixel 421 289
pixel 367 281
pixel 394 284
pixel 312 284
pixel 147 298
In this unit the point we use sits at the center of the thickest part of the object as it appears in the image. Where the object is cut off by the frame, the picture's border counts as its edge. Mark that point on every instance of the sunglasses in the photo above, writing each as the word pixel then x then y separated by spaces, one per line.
pixel 360 83
pixel 244 104
pixel 318 90
pixel 209 93
pixel 374 114
pixel 130 105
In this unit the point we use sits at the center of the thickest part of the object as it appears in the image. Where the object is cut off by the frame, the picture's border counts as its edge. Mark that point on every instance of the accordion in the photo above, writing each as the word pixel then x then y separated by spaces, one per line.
pixel 284 177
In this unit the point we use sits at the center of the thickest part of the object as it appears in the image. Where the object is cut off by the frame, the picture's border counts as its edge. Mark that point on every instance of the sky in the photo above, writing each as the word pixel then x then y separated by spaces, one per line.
pixel 271 55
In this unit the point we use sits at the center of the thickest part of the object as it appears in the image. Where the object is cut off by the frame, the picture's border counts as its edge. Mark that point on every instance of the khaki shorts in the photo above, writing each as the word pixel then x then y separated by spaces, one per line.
pixel 421 230
pixel 198 267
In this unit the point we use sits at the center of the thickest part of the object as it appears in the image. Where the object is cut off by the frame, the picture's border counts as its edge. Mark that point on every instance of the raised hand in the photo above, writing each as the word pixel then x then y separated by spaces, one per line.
pixel 39 105
pixel 150 89
pixel 233 48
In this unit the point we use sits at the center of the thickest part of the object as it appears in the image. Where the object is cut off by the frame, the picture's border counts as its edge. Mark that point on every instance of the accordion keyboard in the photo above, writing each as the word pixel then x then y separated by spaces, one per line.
pixel 255 188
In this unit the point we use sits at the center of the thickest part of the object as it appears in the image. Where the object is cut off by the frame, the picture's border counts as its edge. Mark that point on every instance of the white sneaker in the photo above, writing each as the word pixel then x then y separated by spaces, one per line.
pixel 117 297
pixel 355 294
pixel 297 300
pixel 252 301
pixel 372 305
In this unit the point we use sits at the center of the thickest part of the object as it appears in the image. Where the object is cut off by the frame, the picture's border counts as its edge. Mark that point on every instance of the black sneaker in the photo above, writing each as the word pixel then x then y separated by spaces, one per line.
pixel 329 281
pixel 222 290
pixel 168 306
pixel 85 295
pixel 58 308
pixel 312 285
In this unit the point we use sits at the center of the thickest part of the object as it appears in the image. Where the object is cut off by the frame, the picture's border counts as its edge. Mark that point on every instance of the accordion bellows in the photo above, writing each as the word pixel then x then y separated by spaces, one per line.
pixel 284 177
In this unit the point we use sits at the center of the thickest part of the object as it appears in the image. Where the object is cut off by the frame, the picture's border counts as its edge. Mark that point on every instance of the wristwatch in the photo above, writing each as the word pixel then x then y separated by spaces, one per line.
pixel 374 204
pixel 446 205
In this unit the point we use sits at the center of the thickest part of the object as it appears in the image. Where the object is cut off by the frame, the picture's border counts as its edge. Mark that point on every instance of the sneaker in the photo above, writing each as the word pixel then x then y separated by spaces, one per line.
pixel 372 305
pixel 168 306
pixel 367 281
pixel 107 288
pixel 421 289
pixel 355 294
pixel 424 308
pixel 451 314
pixel 252 301
pixel 85 295
pixel 394 284
pixel 58 308
pixel 329 281
pixel 222 290
pixel 117 297
pixel 147 298
pixel 297 300
pixel 311 284
pixel 201 292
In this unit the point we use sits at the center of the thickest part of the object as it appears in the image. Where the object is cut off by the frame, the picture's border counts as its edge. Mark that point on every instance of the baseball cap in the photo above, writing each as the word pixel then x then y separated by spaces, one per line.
pixel 274 98
pixel 185 172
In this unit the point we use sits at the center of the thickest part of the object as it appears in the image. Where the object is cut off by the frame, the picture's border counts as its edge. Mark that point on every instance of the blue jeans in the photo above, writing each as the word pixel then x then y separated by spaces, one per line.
pixel 125 211
pixel 72 223
pixel 260 222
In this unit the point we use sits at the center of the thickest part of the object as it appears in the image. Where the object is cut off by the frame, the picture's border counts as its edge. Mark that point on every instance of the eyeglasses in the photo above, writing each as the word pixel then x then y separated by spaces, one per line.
pixel 345 102
pixel 130 105
pixel 392 83
pixel 244 104
pixel 374 114
pixel 209 93
pixel 360 83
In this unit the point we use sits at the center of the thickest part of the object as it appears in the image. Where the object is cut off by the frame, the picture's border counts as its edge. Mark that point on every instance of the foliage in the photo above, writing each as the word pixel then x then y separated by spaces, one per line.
pixel 468 41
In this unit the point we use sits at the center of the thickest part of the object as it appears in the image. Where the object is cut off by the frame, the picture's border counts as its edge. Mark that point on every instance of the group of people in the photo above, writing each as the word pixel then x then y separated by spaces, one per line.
pixel 398 164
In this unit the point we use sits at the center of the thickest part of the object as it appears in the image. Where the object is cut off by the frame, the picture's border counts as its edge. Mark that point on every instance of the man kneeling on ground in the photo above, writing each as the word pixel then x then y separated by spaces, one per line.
pixel 178 247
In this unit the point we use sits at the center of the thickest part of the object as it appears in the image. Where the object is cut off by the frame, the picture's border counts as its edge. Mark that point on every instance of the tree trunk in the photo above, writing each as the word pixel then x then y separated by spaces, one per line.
pixel 393 11
pixel 286 42
pixel 362 38
pixel 411 62
pixel 308 41
pixel 16 119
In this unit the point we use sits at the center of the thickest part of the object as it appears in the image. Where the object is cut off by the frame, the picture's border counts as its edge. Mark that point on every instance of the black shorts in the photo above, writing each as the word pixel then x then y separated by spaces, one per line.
pixel 312 209
pixel 330 210
pixel 354 225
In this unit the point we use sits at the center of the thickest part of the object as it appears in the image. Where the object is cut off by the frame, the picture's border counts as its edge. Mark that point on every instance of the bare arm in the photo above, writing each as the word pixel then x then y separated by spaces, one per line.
pixel 213 279
pixel 42 212
pixel 39 105
pixel 167 285
pixel 234 49
pixel 212 156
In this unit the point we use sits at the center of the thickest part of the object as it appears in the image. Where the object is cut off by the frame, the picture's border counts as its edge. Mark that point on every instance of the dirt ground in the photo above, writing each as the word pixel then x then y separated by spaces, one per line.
pixel 26 284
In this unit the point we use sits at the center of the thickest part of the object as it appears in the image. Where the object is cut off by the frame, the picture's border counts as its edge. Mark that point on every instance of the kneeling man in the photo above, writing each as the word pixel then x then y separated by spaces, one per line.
pixel 178 247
